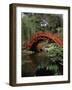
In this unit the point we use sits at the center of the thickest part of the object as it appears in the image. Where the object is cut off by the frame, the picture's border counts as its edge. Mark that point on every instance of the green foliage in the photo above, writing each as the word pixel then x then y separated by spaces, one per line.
pixel 31 23
pixel 55 51
pixel 53 59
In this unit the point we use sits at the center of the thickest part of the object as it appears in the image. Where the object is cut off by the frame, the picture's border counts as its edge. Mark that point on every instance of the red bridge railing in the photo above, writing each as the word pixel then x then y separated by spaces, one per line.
pixel 44 35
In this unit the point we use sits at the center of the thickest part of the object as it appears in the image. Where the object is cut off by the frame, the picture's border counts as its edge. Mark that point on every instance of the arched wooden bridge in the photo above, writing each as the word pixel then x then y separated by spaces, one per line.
pixel 44 35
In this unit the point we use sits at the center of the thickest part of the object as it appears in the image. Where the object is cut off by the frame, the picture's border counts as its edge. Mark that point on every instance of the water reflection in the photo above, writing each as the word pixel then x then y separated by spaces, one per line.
pixel 39 64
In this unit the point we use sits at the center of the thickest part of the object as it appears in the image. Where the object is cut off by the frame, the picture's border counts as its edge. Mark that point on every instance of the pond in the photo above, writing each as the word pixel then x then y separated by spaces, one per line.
pixel 40 64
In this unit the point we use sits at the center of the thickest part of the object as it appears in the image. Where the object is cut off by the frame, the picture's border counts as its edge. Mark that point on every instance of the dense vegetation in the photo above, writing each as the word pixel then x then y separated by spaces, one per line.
pixel 32 23
pixel 42 63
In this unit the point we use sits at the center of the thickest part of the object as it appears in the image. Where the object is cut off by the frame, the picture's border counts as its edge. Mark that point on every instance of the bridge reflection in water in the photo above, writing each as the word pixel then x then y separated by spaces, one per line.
pixel 38 64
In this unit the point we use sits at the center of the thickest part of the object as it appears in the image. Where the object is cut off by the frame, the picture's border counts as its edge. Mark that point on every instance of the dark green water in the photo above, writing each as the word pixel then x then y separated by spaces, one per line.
pixel 39 64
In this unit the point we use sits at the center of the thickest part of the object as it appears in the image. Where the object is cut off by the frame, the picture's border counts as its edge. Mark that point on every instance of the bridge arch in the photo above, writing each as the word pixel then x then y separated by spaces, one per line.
pixel 44 35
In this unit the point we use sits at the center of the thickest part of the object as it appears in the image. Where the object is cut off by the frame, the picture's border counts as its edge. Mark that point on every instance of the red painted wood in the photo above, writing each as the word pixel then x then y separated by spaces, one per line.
pixel 43 35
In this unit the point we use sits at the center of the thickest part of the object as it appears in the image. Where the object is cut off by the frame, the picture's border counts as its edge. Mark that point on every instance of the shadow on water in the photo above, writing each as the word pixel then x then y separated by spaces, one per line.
pixel 38 64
